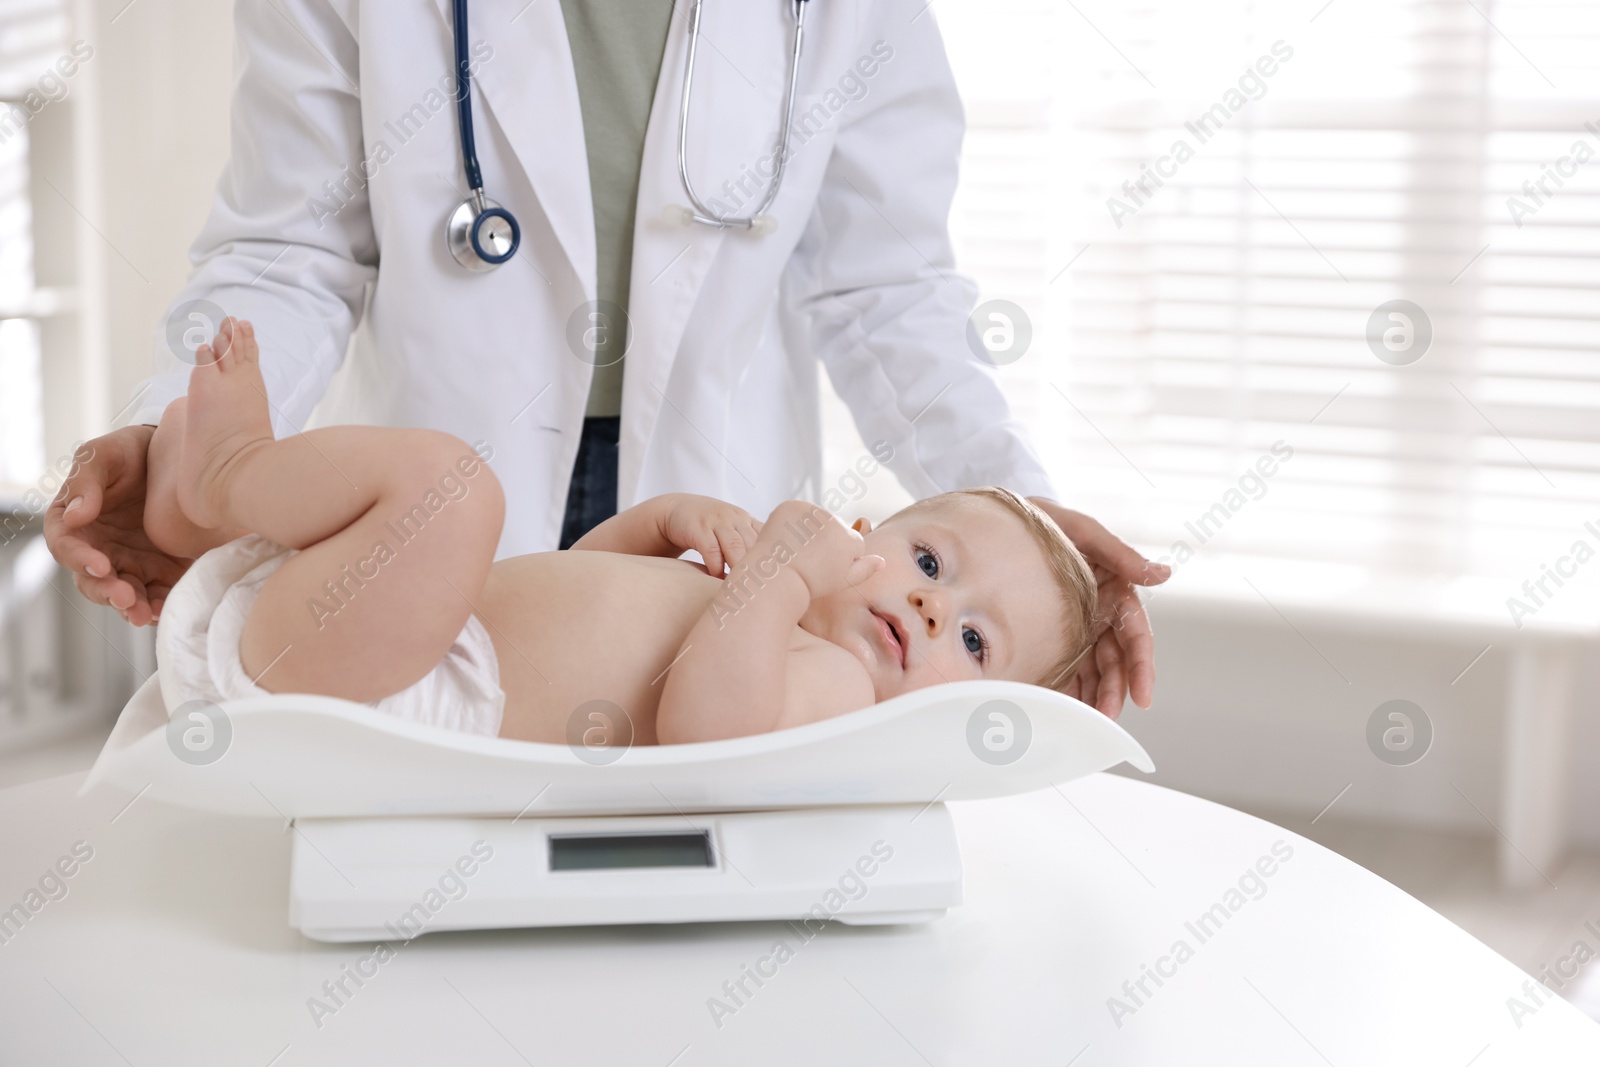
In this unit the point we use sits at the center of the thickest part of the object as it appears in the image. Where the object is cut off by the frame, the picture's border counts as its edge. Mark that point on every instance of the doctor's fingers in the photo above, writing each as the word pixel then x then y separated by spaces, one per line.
pixel 88 563
pixel 1113 678
pixel 1105 549
pixel 72 549
pixel 137 585
pixel 123 594
pixel 1134 635
pixel 101 498
pixel 140 612
pixel 1087 681
pixel 110 591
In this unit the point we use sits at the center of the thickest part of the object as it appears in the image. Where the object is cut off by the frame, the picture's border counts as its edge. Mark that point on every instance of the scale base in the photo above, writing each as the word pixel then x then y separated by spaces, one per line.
pixel 387 879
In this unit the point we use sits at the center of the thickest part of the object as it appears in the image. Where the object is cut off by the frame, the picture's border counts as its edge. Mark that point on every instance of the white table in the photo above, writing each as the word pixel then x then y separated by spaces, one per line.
pixel 171 948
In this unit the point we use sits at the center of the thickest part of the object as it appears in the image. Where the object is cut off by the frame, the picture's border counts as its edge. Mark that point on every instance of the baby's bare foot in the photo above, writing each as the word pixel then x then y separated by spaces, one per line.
pixel 227 418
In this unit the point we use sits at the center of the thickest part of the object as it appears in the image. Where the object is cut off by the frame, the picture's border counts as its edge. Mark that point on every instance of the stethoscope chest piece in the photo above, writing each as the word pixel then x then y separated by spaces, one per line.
pixel 481 234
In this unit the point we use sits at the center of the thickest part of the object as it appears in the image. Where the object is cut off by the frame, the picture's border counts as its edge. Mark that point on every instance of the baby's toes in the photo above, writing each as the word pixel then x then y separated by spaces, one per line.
pixel 222 344
pixel 245 341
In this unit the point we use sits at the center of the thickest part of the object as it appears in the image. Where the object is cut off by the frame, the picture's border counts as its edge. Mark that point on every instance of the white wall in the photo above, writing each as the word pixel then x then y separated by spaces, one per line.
pixel 1253 717
pixel 165 75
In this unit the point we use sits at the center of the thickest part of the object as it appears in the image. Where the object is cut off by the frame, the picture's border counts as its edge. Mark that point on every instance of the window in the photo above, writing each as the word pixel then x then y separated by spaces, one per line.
pixel 1201 207
pixel 62 662
pixel 32 35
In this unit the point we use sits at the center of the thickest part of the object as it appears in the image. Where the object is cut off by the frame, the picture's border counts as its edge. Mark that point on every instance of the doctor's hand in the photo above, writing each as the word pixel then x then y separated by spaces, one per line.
pixel 95 528
pixel 1124 652
pixel 719 531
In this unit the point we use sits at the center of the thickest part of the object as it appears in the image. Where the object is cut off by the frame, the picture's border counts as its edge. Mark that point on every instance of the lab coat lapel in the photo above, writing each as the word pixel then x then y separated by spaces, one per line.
pixel 531 93
pixel 738 85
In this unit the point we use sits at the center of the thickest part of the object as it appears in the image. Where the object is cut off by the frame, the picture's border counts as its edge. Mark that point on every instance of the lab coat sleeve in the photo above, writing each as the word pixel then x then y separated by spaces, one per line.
pixel 874 284
pixel 289 242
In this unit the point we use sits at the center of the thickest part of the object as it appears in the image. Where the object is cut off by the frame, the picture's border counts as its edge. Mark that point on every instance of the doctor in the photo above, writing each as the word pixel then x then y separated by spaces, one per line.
pixel 620 348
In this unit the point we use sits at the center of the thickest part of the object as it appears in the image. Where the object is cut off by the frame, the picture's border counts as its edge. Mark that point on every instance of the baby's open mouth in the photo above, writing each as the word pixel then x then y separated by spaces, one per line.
pixel 891 631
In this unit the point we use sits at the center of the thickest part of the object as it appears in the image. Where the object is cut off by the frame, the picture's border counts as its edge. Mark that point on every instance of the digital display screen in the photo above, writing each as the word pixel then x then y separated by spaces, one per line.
pixel 591 852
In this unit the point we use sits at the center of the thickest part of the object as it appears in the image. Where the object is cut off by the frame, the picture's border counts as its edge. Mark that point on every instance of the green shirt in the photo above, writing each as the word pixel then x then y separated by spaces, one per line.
pixel 616 51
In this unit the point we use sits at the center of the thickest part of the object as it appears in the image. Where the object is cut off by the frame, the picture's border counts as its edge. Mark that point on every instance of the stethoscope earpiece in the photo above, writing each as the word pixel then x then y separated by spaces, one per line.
pixel 677 215
pixel 758 225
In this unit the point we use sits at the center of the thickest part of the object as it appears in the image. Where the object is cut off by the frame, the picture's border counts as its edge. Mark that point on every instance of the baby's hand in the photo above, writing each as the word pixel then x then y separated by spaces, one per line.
pixel 720 532
pixel 826 554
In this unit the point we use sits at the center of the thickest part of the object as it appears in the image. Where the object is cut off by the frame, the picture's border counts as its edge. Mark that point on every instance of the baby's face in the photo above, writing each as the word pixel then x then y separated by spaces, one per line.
pixel 966 592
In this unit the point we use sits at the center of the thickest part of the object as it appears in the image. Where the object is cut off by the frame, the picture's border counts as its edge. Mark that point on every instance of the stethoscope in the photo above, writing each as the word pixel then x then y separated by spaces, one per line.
pixel 481 234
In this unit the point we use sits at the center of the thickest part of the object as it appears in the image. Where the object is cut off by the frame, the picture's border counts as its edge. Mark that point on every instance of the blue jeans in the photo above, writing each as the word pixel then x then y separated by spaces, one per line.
pixel 592 497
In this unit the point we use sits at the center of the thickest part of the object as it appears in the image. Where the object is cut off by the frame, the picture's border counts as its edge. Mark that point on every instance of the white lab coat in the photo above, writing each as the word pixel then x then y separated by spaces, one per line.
pixel 720 388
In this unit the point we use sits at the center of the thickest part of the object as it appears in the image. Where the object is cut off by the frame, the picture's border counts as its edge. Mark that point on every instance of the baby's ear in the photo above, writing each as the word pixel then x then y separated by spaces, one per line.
pixel 862 526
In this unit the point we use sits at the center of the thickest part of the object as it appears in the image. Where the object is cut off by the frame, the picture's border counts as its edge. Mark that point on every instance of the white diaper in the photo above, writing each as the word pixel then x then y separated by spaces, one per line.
pixel 197 646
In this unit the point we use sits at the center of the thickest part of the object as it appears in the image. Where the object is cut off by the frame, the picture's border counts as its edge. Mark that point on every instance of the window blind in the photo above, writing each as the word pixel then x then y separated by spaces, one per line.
pixel 33 33
pixel 1204 209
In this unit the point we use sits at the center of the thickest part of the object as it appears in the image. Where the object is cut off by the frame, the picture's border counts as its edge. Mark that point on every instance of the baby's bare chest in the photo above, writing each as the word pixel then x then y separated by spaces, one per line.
pixel 585 640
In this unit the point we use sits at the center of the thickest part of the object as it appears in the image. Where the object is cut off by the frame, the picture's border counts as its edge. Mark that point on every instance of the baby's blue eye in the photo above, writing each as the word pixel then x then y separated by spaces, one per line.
pixel 931 568
pixel 972 639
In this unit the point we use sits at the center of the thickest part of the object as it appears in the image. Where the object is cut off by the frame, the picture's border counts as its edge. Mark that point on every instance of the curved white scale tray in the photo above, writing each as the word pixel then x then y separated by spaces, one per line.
pixel 301 756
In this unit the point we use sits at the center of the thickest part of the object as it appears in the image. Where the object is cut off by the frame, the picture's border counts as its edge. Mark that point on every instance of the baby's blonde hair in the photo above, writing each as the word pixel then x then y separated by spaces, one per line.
pixel 1074 578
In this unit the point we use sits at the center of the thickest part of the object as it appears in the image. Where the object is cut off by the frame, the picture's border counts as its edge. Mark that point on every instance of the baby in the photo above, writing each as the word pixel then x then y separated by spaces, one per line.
pixel 358 562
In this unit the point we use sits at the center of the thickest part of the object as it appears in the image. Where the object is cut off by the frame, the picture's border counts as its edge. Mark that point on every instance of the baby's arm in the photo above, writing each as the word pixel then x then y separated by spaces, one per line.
pixel 737 673
pixel 669 524
pixel 634 532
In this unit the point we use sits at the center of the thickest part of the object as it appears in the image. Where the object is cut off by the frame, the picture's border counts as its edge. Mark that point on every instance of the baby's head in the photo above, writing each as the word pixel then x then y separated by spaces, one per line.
pixel 978 583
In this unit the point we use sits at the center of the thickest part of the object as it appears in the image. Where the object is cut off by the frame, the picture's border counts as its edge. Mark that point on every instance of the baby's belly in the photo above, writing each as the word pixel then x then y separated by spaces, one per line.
pixel 584 640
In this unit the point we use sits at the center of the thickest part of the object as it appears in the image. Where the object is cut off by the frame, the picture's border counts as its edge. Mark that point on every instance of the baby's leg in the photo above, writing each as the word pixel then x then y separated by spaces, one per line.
pixel 397 529
pixel 168 528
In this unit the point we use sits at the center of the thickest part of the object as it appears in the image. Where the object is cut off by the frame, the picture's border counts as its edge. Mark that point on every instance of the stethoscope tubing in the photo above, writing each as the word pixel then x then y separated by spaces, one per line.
pixel 702 213
pixel 469 145
pixel 483 210
pixel 471 252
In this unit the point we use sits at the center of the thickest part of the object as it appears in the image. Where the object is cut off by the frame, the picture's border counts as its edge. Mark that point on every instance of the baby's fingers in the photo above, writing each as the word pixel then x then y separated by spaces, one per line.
pixel 747 530
pixel 711 551
pixel 861 568
pixel 733 543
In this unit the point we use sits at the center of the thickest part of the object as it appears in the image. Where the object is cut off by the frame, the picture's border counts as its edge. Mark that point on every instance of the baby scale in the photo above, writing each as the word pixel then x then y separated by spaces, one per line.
pixel 401 828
